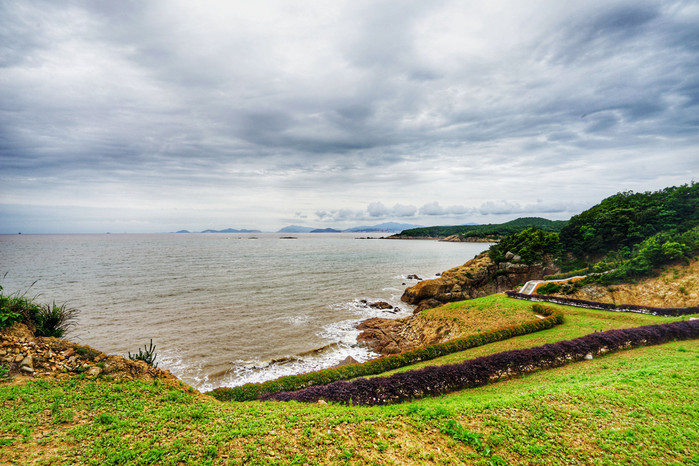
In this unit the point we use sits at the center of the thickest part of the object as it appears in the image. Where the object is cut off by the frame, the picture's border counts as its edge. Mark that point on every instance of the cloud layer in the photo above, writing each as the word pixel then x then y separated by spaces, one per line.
pixel 151 116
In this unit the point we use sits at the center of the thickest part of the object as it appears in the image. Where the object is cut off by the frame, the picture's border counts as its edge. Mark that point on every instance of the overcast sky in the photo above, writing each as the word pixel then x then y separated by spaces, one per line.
pixel 133 116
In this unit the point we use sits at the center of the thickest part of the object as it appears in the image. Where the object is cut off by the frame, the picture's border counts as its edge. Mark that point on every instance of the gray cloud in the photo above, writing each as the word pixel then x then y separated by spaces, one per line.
pixel 258 111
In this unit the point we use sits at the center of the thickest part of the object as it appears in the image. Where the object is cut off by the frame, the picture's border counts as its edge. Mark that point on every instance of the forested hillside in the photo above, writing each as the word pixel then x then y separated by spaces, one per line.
pixel 626 219
pixel 495 231
pixel 628 235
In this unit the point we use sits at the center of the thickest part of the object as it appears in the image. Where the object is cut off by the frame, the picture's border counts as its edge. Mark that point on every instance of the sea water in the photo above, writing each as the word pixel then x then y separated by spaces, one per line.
pixel 225 309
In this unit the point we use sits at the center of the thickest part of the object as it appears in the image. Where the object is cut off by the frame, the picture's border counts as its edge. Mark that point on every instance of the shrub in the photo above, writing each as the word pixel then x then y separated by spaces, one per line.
pixel 549 288
pixel 50 320
pixel 148 355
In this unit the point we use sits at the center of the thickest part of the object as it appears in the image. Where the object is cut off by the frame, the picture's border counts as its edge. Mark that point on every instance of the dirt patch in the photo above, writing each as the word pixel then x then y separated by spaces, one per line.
pixel 29 357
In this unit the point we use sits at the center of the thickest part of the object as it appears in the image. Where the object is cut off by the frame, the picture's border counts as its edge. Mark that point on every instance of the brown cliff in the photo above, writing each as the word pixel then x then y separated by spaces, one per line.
pixel 478 277
pixel 676 286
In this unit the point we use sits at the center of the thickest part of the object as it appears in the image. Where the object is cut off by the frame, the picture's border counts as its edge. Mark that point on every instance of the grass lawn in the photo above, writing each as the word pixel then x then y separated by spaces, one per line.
pixel 633 407
pixel 483 314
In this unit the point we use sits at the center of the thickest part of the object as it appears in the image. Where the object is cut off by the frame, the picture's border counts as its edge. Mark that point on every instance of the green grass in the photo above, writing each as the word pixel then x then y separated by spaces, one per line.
pixel 578 322
pixel 633 407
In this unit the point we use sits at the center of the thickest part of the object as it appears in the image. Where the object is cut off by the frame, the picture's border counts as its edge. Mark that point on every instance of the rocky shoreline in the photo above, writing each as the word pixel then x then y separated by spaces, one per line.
pixel 476 278
pixel 27 355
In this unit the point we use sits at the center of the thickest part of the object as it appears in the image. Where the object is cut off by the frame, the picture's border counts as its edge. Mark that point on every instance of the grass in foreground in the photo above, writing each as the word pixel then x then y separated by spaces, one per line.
pixel 638 406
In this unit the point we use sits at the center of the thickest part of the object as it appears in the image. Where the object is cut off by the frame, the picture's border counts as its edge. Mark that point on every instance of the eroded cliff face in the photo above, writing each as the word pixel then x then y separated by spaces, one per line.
pixel 476 278
pixel 677 286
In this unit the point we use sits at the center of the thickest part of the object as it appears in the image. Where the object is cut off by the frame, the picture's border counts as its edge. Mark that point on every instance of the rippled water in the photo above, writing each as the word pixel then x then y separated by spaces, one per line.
pixel 224 309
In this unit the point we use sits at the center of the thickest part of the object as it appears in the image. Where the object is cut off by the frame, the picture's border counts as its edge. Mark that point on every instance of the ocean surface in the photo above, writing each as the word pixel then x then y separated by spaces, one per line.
pixel 224 309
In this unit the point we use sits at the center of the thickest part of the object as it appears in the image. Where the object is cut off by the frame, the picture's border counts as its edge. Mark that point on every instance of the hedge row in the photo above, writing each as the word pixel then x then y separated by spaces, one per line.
pixel 252 391
pixel 436 380
pixel 656 311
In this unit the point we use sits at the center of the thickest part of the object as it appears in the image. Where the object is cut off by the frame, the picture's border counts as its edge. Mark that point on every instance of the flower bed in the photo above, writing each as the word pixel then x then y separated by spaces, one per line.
pixel 252 391
pixel 436 380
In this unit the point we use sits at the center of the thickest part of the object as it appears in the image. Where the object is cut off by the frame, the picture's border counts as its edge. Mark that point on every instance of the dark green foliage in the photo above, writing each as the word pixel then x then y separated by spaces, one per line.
pixel 495 231
pixel 148 355
pixel 626 219
pixel 252 391
pixel 53 320
pixel 630 235
pixel 4 373
pixel 16 308
pixel 437 380
pixel 549 288
pixel 530 244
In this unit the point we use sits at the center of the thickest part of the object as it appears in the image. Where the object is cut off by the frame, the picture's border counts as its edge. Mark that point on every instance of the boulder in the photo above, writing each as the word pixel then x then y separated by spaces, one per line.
pixel 348 360
pixel 427 304
pixel 380 305
pixel 391 336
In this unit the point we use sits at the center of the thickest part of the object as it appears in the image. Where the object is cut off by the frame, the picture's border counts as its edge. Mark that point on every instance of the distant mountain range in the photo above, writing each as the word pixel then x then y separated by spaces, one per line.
pixel 383 227
pixel 227 230
pixel 389 227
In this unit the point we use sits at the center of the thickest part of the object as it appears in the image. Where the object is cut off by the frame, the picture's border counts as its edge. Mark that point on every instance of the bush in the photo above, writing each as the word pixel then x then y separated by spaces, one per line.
pixel 252 391
pixel 436 380
pixel 53 320
pixel 50 320
pixel 4 373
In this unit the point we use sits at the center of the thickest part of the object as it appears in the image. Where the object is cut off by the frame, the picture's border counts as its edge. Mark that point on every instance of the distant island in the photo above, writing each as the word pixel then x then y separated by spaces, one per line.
pixel 388 227
pixel 227 230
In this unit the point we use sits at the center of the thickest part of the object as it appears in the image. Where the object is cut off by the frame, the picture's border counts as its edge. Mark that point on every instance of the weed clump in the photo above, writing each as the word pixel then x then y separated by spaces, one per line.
pixel 148 355
pixel 50 320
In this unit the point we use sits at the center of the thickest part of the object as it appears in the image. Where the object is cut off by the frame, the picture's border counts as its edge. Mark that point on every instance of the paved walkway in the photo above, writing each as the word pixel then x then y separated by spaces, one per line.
pixel 531 285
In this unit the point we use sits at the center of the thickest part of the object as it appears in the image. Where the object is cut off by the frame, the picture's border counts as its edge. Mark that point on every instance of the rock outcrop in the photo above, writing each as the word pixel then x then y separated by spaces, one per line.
pixel 477 278
pixel 391 336
pixel 27 355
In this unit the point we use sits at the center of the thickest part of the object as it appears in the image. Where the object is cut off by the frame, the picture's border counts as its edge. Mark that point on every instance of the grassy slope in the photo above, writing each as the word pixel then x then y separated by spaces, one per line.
pixel 481 315
pixel 638 406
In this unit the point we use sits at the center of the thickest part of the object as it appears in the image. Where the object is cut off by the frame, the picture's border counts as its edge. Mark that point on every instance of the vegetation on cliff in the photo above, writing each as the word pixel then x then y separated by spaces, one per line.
pixel 628 236
pixel 48 320
pixel 531 245
pixel 622 221
pixel 632 233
